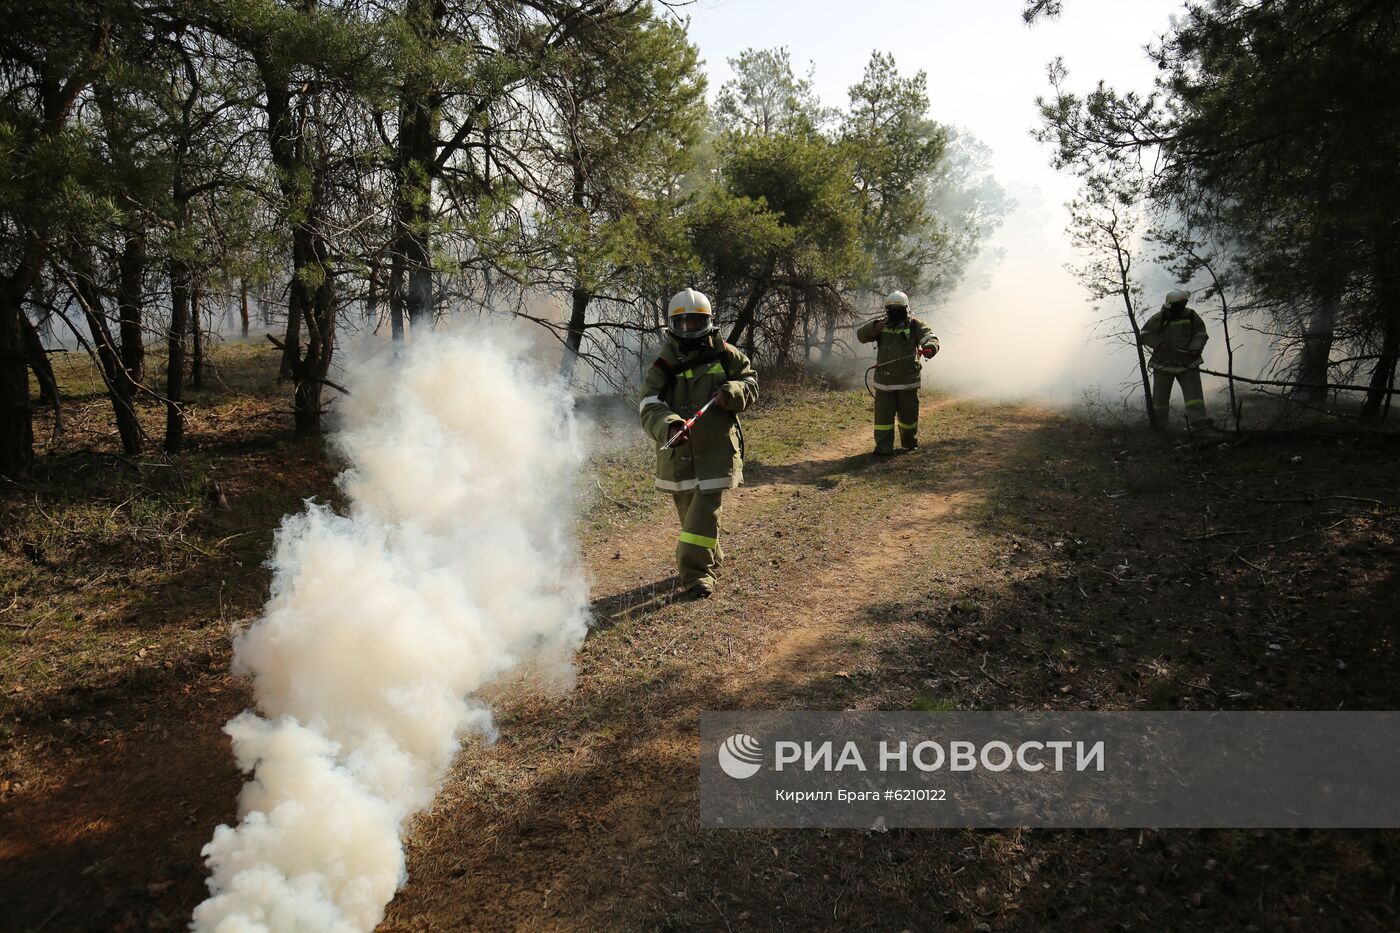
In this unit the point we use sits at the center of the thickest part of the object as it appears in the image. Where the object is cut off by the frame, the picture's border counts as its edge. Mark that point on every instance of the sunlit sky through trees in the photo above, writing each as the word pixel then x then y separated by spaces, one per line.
pixel 1021 325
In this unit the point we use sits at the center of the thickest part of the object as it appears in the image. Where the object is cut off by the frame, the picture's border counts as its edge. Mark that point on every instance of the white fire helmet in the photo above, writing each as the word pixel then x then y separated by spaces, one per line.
pixel 1174 296
pixel 688 317
pixel 897 300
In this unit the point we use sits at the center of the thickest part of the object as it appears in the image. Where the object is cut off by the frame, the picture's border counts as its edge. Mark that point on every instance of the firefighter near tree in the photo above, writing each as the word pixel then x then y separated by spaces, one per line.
pixel 691 399
pixel 902 343
pixel 1176 335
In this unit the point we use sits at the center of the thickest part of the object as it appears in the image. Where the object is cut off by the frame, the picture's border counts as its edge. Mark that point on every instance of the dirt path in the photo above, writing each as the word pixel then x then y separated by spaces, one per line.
pixel 583 815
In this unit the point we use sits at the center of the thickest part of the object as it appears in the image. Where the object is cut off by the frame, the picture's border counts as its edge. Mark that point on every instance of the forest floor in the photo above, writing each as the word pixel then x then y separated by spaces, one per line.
pixel 1020 559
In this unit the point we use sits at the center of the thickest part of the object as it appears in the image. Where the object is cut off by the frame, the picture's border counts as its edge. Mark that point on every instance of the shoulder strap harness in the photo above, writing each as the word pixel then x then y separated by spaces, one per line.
pixel 672 371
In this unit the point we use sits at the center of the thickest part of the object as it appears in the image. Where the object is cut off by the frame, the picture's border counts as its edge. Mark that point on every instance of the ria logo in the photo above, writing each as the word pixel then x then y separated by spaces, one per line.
pixel 740 756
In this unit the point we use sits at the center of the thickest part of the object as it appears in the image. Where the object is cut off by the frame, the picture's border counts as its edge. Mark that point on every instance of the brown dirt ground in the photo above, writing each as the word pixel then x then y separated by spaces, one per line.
pixel 893 585
pixel 1017 560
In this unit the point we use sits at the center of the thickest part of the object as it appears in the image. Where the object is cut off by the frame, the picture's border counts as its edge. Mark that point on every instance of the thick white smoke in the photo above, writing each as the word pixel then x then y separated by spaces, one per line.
pixel 453 567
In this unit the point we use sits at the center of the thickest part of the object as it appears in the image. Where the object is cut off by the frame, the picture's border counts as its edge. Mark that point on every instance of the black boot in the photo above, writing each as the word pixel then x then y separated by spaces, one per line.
pixel 701 590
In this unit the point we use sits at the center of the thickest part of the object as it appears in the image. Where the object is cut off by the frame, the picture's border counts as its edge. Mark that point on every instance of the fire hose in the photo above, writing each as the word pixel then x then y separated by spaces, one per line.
pixel 870 369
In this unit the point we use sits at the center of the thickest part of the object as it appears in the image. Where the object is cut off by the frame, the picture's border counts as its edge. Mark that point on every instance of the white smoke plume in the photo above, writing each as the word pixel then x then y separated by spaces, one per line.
pixel 453 567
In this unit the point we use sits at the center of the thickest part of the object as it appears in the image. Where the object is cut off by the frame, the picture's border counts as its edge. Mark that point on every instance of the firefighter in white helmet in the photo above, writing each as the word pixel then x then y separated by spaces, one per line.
pixel 696 366
pixel 902 343
pixel 1177 335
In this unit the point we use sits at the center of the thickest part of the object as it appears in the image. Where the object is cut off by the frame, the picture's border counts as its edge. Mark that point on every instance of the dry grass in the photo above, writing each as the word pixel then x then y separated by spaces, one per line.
pixel 1018 560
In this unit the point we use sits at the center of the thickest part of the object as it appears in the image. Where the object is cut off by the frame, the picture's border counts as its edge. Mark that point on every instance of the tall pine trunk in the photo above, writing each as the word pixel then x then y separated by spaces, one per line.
pixel 131 281
pixel 396 294
pixel 196 339
pixel 243 306
pixel 291 337
pixel 1388 304
pixel 16 424
pixel 372 297
pixel 1316 351
pixel 420 115
pixel 828 336
pixel 579 298
pixel 179 272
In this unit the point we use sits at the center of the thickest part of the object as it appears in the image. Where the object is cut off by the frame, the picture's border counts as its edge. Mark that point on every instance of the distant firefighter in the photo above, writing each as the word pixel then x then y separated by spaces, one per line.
pixel 691 399
pixel 902 342
pixel 1177 335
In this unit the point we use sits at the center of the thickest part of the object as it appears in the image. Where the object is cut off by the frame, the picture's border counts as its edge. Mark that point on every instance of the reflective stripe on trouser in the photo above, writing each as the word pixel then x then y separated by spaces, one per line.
pixel 896 409
pixel 698 554
pixel 1191 393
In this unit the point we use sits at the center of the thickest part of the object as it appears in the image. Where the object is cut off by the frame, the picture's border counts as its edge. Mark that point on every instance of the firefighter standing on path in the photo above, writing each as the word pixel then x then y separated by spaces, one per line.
pixel 1176 335
pixel 695 367
pixel 902 343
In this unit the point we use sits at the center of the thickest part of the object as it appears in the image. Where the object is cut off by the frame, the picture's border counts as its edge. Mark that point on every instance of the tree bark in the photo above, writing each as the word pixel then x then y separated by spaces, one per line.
pixel 789 329
pixel 420 115
pixel 1384 372
pixel 179 273
pixel 580 297
pixel 39 362
pixel 396 295
pixel 291 337
pixel 131 279
pixel 196 339
pixel 313 279
pixel 313 366
pixel 286 145
pixel 578 323
pixel 828 337
pixel 1125 289
pixel 120 390
pixel 746 316
pixel 372 297
pixel 57 97
pixel 243 306
pixel 1316 350
pixel 16 424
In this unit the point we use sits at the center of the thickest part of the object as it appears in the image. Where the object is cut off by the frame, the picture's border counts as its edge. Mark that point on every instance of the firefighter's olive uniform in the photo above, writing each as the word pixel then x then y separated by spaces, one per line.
pixel 896 378
pixel 697 472
pixel 1176 337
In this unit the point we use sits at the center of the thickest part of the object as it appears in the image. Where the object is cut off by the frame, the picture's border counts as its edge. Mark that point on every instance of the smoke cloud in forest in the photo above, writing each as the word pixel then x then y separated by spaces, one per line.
pixel 1020 326
pixel 452 567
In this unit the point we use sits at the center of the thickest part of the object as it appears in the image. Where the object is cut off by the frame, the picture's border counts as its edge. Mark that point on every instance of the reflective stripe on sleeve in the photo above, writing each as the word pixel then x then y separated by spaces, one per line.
pixel 649 400
pixel 698 540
